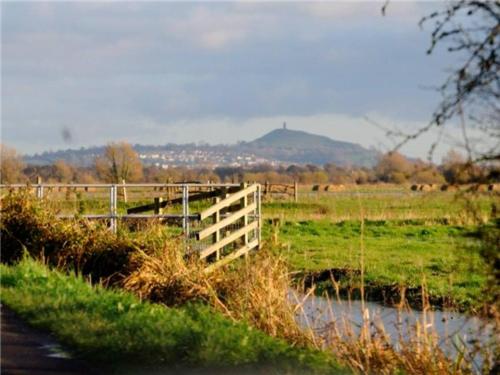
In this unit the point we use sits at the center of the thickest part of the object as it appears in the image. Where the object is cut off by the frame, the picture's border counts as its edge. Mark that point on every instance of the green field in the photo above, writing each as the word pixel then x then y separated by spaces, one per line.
pixel 407 239
pixel 383 205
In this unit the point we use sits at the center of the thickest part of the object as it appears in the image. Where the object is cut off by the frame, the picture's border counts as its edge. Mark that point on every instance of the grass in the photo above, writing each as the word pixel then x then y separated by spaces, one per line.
pixel 407 237
pixel 380 205
pixel 112 326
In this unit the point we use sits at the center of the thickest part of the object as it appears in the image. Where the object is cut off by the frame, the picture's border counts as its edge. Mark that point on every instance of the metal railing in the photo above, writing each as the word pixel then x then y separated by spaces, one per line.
pixel 221 198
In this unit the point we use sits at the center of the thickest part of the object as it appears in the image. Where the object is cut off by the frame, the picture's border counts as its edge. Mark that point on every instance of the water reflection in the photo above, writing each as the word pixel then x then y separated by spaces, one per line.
pixel 453 330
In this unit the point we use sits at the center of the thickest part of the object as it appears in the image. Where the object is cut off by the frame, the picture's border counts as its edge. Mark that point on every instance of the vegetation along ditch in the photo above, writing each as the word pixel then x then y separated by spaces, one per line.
pixel 250 312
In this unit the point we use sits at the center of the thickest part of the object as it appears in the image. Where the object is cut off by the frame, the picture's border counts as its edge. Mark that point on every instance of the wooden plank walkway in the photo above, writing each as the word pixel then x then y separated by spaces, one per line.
pixel 25 350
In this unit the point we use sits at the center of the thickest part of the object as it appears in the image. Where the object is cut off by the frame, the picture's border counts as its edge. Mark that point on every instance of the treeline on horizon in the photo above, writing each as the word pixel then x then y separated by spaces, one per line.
pixel 121 162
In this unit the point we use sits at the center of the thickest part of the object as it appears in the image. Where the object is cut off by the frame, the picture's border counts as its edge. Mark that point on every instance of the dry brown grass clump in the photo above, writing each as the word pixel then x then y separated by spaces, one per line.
pixel 86 247
pixel 165 275
pixel 255 291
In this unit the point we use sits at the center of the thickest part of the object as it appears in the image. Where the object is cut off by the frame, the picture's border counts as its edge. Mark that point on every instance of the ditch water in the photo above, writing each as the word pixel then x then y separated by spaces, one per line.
pixel 454 331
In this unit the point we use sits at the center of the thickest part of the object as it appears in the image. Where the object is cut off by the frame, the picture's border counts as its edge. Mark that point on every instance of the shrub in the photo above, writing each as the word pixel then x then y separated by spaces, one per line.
pixel 87 247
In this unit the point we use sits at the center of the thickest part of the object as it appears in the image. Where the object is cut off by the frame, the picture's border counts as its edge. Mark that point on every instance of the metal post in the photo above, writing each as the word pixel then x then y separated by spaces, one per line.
pixel 39 188
pixel 259 214
pixel 39 191
pixel 112 207
pixel 256 213
pixel 185 210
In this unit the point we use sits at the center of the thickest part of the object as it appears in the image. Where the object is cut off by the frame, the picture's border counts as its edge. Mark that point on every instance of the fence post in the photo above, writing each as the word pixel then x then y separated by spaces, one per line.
pixel 216 235
pixel 112 207
pixel 124 191
pixel 185 210
pixel 39 188
pixel 259 215
pixel 158 209
pixel 296 191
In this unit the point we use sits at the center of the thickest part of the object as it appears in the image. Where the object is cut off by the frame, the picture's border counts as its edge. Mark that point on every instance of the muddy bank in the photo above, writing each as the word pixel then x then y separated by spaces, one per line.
pixel 347 284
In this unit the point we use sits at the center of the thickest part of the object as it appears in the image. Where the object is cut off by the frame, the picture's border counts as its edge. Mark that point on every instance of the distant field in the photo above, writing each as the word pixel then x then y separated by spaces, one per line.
pixel 381 205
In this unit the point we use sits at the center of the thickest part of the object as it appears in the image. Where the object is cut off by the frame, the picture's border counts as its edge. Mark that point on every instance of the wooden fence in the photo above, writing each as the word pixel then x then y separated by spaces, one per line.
pixel 290 190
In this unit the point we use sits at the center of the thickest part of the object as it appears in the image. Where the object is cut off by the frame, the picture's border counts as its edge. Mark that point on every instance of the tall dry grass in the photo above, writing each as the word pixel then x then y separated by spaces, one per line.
pixel 251 290
pixel 416 347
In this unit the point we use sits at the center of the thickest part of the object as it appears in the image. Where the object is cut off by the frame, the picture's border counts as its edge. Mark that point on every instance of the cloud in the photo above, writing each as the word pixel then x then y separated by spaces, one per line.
pixel 152 71
pixel 211 27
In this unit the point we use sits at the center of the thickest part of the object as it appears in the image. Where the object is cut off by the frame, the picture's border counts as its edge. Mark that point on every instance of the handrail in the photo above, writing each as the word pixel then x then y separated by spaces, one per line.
pixel 66 185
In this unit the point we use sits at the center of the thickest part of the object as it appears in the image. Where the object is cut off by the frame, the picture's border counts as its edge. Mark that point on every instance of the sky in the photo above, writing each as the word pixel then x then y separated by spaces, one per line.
pixel 77 74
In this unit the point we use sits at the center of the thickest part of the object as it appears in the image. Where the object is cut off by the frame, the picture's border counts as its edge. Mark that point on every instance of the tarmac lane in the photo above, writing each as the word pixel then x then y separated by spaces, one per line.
pixel 27 351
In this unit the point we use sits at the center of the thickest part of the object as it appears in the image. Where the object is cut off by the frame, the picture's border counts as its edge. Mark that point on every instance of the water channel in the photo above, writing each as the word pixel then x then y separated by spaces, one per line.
pixel 453 331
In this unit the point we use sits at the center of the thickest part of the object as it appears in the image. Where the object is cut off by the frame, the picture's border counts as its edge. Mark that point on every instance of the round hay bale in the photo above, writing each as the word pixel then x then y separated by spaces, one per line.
pixel 339 187
pixel 482 188
pixel 414 187
pixel 493 187
pixel 315 188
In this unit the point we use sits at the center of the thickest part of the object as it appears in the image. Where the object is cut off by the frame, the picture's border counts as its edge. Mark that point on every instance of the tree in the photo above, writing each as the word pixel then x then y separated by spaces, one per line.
pixel 393 167
pixel 426 174
pixel 12 165
pixel 63 172
pixel 457 170
pixel 471 94
pixel 119 162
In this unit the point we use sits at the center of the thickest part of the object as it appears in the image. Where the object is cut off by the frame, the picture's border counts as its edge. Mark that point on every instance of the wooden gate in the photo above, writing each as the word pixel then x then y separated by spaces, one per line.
pixel 233 226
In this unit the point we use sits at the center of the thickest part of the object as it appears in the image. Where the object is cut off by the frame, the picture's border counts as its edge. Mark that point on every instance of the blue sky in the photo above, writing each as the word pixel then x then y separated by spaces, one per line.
pixel 214 72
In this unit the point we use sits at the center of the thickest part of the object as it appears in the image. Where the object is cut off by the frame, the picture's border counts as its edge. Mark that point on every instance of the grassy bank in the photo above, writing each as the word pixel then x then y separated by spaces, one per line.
pixel 110 326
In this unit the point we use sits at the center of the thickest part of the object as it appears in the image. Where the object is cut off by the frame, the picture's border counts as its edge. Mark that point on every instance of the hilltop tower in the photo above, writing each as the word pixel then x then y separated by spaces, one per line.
pixel 284 125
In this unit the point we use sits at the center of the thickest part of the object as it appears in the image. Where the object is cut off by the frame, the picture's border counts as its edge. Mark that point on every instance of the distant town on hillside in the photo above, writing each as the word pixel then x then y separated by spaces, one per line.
pixel 281 146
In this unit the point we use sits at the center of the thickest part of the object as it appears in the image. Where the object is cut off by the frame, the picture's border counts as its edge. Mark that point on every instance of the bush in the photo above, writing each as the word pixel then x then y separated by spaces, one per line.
pixel 87 247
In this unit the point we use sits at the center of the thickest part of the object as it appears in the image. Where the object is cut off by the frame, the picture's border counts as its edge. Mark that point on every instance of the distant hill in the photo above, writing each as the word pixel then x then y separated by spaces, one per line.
pixel 294 146
pixel 278 146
